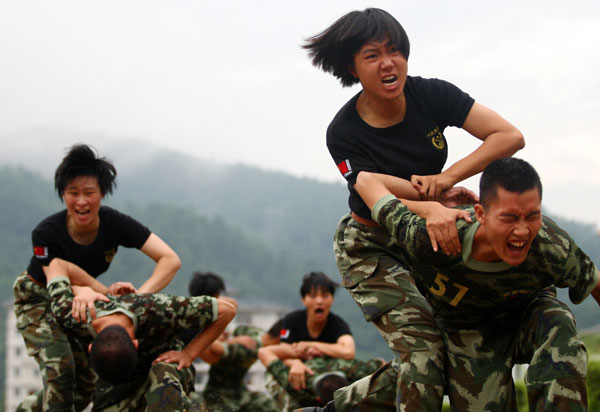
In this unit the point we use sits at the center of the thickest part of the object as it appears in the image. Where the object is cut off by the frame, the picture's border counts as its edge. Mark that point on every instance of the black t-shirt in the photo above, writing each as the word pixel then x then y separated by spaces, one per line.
pixel 414 146
pixel 293 328
pixel 50 239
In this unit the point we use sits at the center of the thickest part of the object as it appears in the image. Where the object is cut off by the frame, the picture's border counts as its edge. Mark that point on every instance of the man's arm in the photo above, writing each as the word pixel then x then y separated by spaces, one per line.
pixel 226 312
pixel 287 354
pixel 61 298
pixel 216 350
pixel 440 221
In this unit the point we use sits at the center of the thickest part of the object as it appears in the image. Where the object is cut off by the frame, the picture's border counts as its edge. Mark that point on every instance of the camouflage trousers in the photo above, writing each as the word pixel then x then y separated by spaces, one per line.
pixel 238 400
pixel 480 365
pixel 384 289
pixel 165 389
pixel 287 398
pixel 66 373
pixel 373 393
pixel 543 335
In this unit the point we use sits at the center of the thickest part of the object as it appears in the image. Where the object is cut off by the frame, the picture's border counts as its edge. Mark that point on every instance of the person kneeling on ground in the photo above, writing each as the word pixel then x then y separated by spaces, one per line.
pixel 133 340
pixel 231 357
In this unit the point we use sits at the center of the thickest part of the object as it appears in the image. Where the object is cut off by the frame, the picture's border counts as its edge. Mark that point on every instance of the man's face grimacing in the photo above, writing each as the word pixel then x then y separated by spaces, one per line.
pixel 511 221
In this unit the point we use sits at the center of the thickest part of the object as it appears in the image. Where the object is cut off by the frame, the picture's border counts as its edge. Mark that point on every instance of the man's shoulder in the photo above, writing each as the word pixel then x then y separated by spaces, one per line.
pixel 551 238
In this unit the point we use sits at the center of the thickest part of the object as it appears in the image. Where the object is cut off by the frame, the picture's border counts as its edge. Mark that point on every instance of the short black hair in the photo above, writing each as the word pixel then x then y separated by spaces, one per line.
pixel 334 48
pixel 317 280
pixel 82 160
pixel 113 355
pixel 206 283
pixel 328 384
pixel 509 173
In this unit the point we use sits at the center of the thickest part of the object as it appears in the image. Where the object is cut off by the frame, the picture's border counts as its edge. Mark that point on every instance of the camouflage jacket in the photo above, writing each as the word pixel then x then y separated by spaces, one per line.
pixel 228 373
pixel 464 291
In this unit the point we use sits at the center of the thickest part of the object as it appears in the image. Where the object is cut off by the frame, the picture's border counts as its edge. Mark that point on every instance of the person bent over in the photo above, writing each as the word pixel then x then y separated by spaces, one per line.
pixel 133 340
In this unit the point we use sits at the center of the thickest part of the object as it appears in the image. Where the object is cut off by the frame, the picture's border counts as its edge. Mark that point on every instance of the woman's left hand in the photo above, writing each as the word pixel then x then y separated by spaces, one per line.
pixel 182 359
pixel 430 187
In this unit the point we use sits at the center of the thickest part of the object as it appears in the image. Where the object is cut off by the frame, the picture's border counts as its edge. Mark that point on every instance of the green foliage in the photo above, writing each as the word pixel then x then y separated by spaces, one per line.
pixel 592 343
pixel 593 385
pixel 593 389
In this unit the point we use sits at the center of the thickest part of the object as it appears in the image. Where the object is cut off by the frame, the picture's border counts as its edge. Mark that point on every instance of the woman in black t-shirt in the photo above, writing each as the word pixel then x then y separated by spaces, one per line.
pixel 311 332
pixel 88 235
pixel 390 136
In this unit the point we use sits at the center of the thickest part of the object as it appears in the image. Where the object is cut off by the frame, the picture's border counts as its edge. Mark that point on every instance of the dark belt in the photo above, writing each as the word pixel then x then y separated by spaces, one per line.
pixel 366 222
pixel 37 282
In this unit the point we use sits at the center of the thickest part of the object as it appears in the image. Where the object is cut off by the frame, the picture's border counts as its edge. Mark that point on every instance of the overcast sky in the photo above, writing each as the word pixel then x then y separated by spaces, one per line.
pixel 228 81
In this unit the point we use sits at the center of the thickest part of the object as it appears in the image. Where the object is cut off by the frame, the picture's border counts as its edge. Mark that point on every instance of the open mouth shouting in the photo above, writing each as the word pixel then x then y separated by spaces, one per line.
pixel 389 80
pixel 516 247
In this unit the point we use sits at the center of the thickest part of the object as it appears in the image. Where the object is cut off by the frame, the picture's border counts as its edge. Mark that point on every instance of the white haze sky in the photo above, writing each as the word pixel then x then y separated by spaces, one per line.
pixel 227 81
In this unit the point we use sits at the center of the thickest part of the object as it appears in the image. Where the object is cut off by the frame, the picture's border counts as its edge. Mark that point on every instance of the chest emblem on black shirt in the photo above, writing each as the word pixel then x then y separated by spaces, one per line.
pixel 437 138
pixel 109 255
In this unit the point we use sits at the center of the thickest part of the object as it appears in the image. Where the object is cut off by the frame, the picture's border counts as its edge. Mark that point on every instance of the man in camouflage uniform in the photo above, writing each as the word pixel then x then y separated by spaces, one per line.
pixel 226 390
pixel 160 380
pixel 288 398
pixel 496 303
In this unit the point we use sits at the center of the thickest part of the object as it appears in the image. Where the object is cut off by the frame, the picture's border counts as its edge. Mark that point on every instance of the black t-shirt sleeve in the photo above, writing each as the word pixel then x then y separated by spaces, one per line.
pixel 343 142
pixel 130 232
pixel 291 327
pixel 336 327
pixel 449 104
pixel 349 158
pixel 45 246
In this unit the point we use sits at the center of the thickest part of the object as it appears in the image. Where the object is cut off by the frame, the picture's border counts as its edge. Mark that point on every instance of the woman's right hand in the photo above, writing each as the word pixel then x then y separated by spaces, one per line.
pixel 458 195
pixel 121 288
pixel 431 187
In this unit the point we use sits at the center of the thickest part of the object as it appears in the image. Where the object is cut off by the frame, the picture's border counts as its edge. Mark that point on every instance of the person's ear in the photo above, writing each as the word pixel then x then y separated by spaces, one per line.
pixel 90 348
pixel 352 70
pixel 480 213
pixel 135 343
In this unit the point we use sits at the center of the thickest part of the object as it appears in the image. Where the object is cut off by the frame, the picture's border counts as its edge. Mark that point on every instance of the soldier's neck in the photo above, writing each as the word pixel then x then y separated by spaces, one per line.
pixel 114 319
